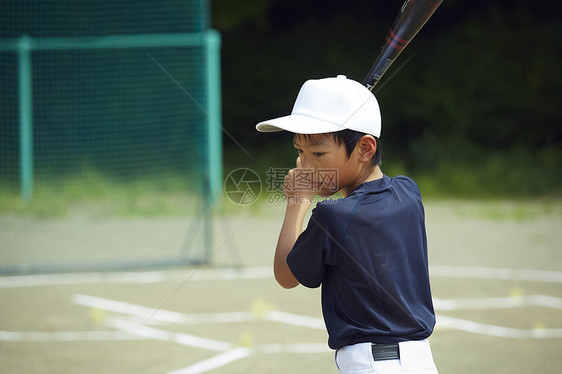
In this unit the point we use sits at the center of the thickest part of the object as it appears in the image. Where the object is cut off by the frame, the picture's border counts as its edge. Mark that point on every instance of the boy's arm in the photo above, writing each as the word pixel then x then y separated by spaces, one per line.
pixel 290 231
pixel 298 203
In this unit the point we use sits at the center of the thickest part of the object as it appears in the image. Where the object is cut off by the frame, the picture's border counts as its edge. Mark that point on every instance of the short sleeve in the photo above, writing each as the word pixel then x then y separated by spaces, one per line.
pixel 410 183
pixel 307 258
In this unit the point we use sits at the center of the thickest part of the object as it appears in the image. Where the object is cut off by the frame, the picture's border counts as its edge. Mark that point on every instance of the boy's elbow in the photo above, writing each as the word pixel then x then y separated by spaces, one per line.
pixel 285 278
pixel 287 283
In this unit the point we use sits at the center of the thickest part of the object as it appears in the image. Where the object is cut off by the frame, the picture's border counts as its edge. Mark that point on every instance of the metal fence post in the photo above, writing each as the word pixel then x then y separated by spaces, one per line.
pixel 25 81
pixel 214 118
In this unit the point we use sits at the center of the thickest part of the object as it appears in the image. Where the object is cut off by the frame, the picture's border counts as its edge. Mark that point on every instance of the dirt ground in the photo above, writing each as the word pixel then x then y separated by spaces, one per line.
pixel 496 276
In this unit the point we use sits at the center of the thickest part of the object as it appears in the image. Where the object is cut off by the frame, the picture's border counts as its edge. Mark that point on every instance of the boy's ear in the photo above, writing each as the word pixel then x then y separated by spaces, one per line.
pixel 366 146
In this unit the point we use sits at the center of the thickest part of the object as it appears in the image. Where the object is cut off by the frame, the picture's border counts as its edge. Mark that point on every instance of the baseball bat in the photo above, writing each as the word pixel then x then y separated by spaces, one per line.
pixel 413 15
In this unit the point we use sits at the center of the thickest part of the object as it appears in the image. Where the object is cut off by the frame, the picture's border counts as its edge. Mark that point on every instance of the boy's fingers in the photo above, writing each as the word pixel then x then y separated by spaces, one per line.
pixel 287 181
pixel 288 176
pixel 299 162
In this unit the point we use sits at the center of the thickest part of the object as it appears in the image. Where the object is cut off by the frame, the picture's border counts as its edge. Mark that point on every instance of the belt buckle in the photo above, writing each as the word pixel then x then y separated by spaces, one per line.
pixel 383 352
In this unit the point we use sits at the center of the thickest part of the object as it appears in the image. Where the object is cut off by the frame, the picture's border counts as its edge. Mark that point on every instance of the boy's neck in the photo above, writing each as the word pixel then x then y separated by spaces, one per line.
pixel 375 174
pixel 369 175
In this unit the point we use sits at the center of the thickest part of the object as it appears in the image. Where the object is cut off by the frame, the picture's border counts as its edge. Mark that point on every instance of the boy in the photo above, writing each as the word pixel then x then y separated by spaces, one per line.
pixel 368 250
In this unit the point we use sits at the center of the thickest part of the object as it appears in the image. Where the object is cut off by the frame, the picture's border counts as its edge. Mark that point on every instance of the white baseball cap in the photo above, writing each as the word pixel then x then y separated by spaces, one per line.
pixel 330 105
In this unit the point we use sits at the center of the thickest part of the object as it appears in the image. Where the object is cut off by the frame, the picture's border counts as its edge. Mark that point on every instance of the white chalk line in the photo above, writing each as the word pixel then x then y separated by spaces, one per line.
pixel 66 336
pixel 149 277
pixel 295 320
pixel 318 323
pixel 215 362
pixel 162 315
pixel 229 354
pixel 243 352
pixel 167 316
pixel 130 330
pixel 293 348
pixel 496 331
pixel 498 302
pixel 466 272
pixel 168 336
pixel 144 277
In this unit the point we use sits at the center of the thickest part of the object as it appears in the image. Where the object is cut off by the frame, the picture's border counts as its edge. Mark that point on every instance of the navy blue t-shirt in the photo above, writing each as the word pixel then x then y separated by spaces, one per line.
pixel 369 253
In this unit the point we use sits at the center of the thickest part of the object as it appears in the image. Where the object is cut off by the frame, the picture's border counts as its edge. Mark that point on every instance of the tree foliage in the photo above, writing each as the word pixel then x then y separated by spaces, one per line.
pixel 479 86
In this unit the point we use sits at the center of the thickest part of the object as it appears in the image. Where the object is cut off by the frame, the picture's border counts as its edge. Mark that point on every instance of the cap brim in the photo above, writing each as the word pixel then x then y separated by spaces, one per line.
pixel 298 124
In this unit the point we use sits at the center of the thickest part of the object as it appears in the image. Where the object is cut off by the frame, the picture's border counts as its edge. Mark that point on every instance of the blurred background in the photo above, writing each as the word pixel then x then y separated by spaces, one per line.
pixel 473 113
pixel 470 108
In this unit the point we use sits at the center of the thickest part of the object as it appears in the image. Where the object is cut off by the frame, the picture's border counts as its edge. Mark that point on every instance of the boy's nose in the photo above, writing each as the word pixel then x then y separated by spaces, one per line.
pixel 305 164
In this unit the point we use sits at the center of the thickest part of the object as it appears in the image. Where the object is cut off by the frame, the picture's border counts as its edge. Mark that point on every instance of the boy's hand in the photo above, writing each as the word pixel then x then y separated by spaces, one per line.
pixel 298 185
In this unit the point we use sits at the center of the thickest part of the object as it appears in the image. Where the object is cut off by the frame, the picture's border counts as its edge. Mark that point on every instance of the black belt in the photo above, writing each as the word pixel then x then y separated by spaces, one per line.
pixel 382 352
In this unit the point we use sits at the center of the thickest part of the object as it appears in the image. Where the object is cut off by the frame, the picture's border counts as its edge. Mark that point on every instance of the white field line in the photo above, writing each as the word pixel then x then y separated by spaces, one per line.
pixel 220 360
pixel 66 336
pixel 168 336
pixel 168 316
pixel 148 277
pixel 263 272
pixel 145 277
pixel 295 319
pixel 293 348
pixel 546 276
pixel 161 315
pixel 497 331
pixel 498 302
pixel 236 354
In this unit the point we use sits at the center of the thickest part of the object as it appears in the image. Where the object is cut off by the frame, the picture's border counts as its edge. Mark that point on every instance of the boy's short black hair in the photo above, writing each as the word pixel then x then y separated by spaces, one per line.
pixel 350 138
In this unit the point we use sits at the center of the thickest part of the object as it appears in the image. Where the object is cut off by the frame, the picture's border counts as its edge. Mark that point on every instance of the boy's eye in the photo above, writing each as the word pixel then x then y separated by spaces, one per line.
pixel 318 154
pixel 299 150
